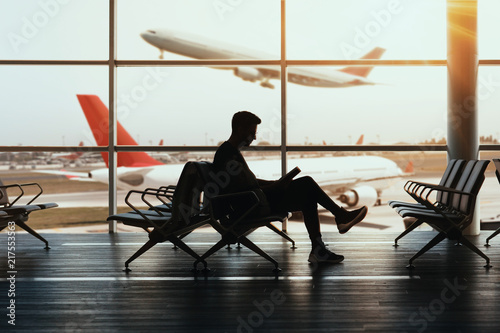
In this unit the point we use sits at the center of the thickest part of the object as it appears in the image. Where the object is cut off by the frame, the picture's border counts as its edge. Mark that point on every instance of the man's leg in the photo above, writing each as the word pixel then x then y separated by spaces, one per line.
pixel 304 194
pixel 301 195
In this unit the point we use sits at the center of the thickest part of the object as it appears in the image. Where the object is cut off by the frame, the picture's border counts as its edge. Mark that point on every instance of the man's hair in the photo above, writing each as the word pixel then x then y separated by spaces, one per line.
pixel 244 118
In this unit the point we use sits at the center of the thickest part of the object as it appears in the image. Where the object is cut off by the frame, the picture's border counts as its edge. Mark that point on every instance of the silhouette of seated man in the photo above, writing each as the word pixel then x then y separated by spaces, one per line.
pixel 302 194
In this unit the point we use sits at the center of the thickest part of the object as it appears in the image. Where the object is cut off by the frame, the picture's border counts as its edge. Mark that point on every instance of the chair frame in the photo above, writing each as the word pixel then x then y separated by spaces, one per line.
pixel 452 218
pixel 449 179
pixel 496 161
pixel 20 213
pixel 165 223
pixel 238 229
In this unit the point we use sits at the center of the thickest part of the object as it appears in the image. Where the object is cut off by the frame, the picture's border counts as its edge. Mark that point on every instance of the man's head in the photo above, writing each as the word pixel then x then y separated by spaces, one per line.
pixel 244 127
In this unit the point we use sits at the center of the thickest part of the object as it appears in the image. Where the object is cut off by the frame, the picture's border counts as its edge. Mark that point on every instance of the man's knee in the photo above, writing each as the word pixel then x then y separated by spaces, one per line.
pixel 305 183
pixel 305 180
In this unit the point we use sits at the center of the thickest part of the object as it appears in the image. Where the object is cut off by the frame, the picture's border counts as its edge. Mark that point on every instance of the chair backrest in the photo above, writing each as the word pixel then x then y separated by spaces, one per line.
pixel 496 161
pixel 471 180
pixel 213 185
pixel 450 179
pixel 186 201
pixel 4 198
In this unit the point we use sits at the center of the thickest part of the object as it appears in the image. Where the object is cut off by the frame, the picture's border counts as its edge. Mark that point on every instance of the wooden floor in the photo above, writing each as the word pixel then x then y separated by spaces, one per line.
pixel 79 286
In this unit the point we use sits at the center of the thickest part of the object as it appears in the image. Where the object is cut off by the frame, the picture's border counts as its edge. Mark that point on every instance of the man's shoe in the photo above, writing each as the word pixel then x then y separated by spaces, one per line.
pixel 349 219
pixel 325 256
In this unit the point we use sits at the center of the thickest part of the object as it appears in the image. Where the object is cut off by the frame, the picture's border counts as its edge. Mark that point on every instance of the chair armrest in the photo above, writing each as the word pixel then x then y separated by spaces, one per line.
pixel 167 191
pixel 143 194
pixel 429 188
pixel 18 197
pixel 37 195
pixel 415 188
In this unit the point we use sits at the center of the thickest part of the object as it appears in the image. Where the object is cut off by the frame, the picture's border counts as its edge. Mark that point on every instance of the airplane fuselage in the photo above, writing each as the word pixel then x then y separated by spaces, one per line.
pixel 336 174
pixel 199 47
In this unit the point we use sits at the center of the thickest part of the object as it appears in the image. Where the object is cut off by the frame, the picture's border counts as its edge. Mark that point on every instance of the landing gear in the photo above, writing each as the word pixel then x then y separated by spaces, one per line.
pixel 266 84
pixel 161 54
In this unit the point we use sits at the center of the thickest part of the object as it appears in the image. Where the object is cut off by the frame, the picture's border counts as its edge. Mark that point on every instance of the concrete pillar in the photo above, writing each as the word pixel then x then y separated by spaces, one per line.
pixel 462 137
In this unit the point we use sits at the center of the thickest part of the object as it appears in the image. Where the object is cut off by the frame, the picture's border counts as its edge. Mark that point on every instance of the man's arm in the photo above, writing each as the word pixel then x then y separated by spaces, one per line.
pixel 280 183
pixel 263 184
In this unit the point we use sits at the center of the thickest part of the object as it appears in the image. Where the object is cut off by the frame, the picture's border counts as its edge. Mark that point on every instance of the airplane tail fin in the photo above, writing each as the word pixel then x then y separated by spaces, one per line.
pixel 360 140
pixel 409 168
pixel 97 116
pixel 363 71
pixel 80 153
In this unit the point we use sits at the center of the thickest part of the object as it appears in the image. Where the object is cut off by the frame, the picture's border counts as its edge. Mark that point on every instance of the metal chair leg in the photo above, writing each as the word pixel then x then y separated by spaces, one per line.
pixel 149 244
pixel 491 236
pixel 34 233
pixel 407 231
pixel 282 234
pixel 439 237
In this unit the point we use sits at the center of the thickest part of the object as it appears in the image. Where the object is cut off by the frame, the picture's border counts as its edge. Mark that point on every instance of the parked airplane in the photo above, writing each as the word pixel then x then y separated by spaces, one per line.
pixel 199 47
pixel 66 158
pixel 358 179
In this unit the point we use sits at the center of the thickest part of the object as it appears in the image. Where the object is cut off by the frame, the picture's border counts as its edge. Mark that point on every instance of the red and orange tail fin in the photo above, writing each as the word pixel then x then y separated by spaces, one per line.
pixel 360 140
pixel 363 71
pixel 97 116
pixel 409 168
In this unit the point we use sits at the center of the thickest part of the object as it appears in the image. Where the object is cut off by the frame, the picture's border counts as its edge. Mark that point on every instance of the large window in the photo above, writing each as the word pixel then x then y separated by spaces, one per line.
pixel 373 70
pixel 344 30
pixel 54 30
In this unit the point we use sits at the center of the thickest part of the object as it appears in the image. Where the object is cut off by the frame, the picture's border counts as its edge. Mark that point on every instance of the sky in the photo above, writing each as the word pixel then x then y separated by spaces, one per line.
pixel 193 105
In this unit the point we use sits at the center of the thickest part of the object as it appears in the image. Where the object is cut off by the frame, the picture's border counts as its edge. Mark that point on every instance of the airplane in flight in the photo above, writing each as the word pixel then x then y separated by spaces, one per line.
pixel 198 47
pixel 357 180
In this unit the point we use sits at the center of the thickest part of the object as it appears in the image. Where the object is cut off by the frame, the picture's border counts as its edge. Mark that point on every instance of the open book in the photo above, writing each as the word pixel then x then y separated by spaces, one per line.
pixel 289 176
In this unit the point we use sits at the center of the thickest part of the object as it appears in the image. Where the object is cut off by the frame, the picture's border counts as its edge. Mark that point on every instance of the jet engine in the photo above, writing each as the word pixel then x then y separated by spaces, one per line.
pixel 248 73
pixel 360 196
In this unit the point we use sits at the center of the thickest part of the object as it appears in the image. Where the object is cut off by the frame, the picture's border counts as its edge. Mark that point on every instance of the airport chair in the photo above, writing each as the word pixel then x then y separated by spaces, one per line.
pixel 184 216
pixel 235 223
pixel 496 161
pixel 19 213
pixel 205 170
pixel 453 168
pixel 452 218
pixel 450 178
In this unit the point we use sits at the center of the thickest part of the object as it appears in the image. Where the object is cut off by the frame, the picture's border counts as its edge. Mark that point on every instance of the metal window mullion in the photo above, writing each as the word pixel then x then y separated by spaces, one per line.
pixel 283 88
pixel 283 97
pixel 112 155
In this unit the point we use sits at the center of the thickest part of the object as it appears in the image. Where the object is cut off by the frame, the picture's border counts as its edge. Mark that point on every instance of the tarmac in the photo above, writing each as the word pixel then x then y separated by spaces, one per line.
pixel 380 218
